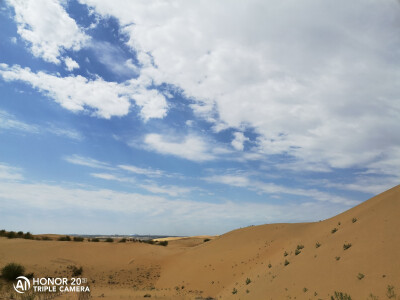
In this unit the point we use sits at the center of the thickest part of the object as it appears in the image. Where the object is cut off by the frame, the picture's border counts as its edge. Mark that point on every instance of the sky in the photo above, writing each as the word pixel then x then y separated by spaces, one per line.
pixel 194 117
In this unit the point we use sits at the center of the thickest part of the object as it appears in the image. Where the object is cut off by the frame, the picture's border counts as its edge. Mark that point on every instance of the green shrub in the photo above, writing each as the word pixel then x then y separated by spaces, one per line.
pixel 297 252
pixel 76 271
pixel 123 240
pixel 317 245
pixel 163 243
pixel 206 240
pixel 305 290
pixel 360 276
pixel 346 246
pixel 269 266
pixel 354 220
pixel 46 238
pixel 334 230
pixel 337 257
pixel 109 240
pixel 248 281
pixel 234 291
pixel 3 232
pixel 299 247
pixel 11 235
pixel 78 239
pixel 20 234
pixel 12 271
pixel 340 296
pixel 96 240
pixel 285 254
pixel 390 292
pixel 66 238
pixel 28 236
pixel 286 262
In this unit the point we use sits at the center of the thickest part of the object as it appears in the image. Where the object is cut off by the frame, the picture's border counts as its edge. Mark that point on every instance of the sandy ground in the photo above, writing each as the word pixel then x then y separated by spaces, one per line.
pixel 247 263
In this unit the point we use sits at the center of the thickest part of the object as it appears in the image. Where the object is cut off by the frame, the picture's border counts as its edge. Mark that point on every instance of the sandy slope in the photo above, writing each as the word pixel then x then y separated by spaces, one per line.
pixel 189 268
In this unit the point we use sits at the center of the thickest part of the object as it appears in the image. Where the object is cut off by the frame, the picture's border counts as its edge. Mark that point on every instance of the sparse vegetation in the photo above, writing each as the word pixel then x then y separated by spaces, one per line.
pixel 28 236
pixel 373 297
pixel 123 240
pixel 334 230
pixel 269 266
pixel 354 220
pixel 346 246
pixel 360 276
pixel 96 240
pixel 11 235
pixel 206 240
pixel 317 245
pixel 248 281
pixel 337 257
pixel 147 296
pixel 163 243
pixel 12 271
pixel 109 240
pixel 305 290
pixel 390 292
pixel 299 247
pixel 286 262
pixel 234 291
pixel 78 239
pixel 340 296
pixel 76 271
pixel 66 238
pixel 285 254
pixel 297 252
pixel 46 238
pixel 247 291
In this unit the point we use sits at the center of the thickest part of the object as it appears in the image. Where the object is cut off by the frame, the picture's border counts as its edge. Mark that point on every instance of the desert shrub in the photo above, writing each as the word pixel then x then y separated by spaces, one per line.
pixel 28 236
pixel 206 240
pixel 78 239
pixel 334 230
pixel 337 257
pixel 390 292
pixel 151 242
pixel 163 243
pixel 286 262
pixel 109 240
pixel 354 220
pixel 46 238
pixel 299 247
pixel 234 291
pixel 360 276
pixel 66 238
pixel 248 281
pixel 346 246
pixel 76 271
pixel 317 245
pixel 147 296
pixel 96 240
pixel 285 254
pixel 20 234
pixel 341 296
pixel 269 266
pixel 297 252
pixel 123 240
pixel 12 271
pixel 305 290
pixel 3 232
pixel 11 235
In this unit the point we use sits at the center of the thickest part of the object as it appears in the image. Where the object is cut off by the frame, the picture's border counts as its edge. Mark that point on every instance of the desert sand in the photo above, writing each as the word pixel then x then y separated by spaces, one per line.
pixel 247 263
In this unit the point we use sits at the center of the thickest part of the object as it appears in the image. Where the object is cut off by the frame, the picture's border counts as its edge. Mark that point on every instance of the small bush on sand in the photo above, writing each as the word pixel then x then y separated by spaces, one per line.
pixel 334 230
pixel 299 247
pixel 28 236
pixel 248 281
pixel 285 254
pixel 360 276
pixel 3 232
pixel 297 252
pixel 12 271
pixel 390 292
pixel 206 240
pixel 11 235
pixel 123 240
pixel 337 257
pixel 234 291
pixel 78 239
pixel 317 245
pixel 96 240
pixel 340 296
pixel 109 240
pixel 269 266
pixel 75 271
pixel 286 262
pixel 354 220
pixel 163 243
pixel 66 238
pixel 346 246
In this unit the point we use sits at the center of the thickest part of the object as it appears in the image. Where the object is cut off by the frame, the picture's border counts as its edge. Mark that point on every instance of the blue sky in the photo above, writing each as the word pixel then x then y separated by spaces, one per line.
pixel 187 118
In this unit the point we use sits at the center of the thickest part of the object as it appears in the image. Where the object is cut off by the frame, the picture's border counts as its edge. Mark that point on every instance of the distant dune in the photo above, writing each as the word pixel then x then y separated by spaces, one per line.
pixel 356 252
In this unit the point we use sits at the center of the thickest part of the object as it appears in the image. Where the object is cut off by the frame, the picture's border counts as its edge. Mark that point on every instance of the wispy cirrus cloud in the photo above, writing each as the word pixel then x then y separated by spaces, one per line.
pixel 87 162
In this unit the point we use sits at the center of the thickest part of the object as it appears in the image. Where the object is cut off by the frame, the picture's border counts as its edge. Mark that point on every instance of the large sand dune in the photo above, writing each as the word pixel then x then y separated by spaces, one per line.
pixel 249 261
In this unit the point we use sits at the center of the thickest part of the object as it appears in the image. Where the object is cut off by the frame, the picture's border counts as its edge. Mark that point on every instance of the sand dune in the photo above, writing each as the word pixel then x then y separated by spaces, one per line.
pixel 250 261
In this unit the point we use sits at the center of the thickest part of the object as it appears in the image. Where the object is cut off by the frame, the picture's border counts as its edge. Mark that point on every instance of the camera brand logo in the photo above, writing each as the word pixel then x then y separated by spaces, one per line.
pixel 23 284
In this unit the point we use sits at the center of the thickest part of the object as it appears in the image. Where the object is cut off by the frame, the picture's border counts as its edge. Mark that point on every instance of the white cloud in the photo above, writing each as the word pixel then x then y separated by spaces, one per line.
pixel 8 173
pixel 87 162
pixel 13 40
pixel 239 140
pixel 319 83
pixel 190 147
pixel 70 64
pixel 47 27
pixel 77 93
pixel 142 171
pixel 245 181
